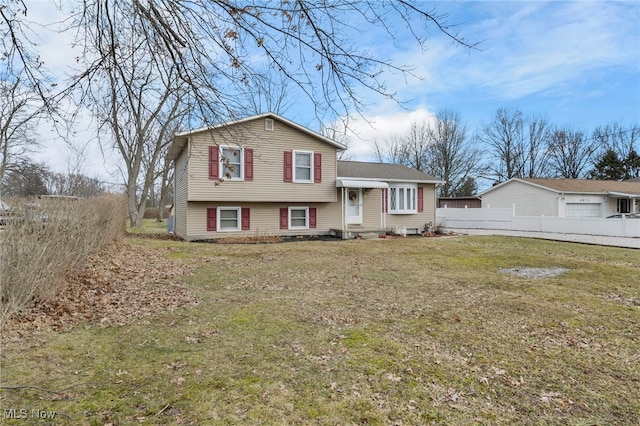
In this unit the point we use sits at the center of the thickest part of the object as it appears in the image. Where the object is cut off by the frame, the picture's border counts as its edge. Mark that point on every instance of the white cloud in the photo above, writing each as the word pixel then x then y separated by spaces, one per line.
pixel 379 127
pixel 527 48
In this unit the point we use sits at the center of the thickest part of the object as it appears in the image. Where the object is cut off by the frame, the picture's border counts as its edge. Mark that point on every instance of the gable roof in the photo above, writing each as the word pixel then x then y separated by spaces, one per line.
pixel 578 186
pixel 382 171
pixel 180 138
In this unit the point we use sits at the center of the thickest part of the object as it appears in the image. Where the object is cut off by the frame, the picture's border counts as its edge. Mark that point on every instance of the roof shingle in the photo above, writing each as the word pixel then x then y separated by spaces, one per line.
pixel 587 185
pixel 382 171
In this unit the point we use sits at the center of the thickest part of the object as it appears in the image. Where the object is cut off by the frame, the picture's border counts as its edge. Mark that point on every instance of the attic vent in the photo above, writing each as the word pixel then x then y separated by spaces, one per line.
pixel 268 124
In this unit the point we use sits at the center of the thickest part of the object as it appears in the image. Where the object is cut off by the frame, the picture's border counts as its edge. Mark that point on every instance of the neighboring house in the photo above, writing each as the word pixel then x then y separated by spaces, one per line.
pixel 564 197
pixel 266 175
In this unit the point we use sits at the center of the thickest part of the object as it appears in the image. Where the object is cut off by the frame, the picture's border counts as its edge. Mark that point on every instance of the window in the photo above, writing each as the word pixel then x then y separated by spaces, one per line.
pixel 303 166
pixel 624 205
pixel 298 218
pixel 403 199
pixel 228 219
pixel 268 124
pixel 231 165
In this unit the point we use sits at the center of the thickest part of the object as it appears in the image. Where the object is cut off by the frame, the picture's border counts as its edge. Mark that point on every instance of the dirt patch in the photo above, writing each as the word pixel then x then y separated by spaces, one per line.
pixel 534 273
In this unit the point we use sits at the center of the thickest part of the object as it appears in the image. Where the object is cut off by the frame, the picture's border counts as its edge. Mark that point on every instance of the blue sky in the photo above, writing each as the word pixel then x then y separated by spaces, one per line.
pixel 575 62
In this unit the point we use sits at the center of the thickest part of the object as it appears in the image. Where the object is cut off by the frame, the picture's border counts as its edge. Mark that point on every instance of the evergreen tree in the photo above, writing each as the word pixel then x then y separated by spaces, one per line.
pixel 632 165
pixel 609 167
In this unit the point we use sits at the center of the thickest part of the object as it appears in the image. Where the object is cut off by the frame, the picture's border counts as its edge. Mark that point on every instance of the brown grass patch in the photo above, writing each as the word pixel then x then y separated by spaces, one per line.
pixel 408 331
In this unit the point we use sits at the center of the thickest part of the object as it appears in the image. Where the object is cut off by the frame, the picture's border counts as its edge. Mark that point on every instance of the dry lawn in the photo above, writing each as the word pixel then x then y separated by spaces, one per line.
pixel 395 332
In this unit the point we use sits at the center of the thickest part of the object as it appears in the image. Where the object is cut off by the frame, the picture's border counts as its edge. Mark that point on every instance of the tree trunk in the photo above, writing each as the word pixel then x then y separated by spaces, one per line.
pixel 135 213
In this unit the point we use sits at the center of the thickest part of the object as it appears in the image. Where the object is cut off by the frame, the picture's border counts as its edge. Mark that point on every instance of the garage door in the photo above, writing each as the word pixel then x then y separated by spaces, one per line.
pixel 583 210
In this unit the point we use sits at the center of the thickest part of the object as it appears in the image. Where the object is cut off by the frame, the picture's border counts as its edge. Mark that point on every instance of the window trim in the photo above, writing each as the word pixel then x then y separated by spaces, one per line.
pixel 238 218
pixel 242 165
pixel 311 167
pixel 409 201
pixel 306 217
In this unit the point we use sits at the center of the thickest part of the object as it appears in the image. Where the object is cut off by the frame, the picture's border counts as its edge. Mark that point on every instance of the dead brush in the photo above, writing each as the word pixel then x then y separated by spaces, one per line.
pixel 47 242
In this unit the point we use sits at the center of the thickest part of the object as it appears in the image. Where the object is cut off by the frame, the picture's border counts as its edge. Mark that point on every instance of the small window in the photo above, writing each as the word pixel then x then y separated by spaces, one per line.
pixel 298 218
pixel 268 124
pixel 228 219
pixel 303 166
pixel 402 199
pixel 231 166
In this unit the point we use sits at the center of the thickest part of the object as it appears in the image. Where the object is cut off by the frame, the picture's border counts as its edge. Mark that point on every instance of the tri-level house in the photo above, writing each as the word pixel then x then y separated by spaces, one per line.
pixel 266 175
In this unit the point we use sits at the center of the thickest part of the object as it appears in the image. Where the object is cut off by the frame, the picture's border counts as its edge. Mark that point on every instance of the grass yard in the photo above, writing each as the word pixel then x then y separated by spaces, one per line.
pixel 397 332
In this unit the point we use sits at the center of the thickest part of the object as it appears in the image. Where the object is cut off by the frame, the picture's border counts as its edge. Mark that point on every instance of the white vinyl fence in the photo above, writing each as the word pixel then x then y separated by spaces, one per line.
pixel 502 218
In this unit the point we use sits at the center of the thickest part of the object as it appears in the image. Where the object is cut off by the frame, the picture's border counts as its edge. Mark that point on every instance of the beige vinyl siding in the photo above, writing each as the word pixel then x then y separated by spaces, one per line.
pixel 268 158
pixel 529 200
pixel 417 220
pixel 180 201
pixel 264 219
pixel 371 210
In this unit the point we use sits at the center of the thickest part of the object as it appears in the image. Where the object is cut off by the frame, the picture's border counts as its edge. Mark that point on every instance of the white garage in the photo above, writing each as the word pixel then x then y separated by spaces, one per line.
pixel 583 210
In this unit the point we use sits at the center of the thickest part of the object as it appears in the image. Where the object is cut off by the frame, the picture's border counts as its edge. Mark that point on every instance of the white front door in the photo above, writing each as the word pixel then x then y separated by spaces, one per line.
pixel 353 207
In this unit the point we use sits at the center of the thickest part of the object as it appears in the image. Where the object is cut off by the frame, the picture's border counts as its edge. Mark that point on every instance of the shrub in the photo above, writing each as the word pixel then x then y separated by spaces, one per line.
pixel 47 241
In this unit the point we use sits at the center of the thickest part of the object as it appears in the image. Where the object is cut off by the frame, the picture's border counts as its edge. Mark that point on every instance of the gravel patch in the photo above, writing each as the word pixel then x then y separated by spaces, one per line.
pixel 534 273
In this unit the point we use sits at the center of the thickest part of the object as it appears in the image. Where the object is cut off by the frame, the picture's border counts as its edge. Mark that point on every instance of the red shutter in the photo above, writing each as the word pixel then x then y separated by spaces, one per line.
pixel 211 219
pixel 248 164
pixel 317 167
pixel 312 217
pixel 420 199
pixel 288 166
pixel 214 162
pixel 385 203
pixel 246 222
pixel 284 218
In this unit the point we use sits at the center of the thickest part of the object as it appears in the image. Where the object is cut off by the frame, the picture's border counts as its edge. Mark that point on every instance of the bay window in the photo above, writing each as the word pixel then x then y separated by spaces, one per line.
pixel 403 198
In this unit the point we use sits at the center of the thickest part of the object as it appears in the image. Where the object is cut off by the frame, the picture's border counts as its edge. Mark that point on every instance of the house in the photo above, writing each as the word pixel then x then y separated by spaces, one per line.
pixel 564 197
pixel 266 175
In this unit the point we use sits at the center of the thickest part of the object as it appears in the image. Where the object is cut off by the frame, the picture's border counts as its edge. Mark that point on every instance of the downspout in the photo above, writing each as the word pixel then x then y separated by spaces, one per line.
pixel 342 207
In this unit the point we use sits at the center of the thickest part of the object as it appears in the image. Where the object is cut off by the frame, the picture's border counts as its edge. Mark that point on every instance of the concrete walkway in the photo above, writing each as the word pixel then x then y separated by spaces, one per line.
pixel 574 238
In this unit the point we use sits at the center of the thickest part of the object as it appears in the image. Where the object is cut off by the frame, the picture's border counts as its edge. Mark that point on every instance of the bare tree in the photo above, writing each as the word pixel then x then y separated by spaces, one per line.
pixel 504 138
pixel 570 153
pixel 451 156
pixel 391 150
pixel 19 114
pixel 440 148
pixel 338 131
pixel 214 43
pixel 27 179
pixel 74 184
pixel 417 144
pixel 139 105
pixel 536 154
pixel 266 92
